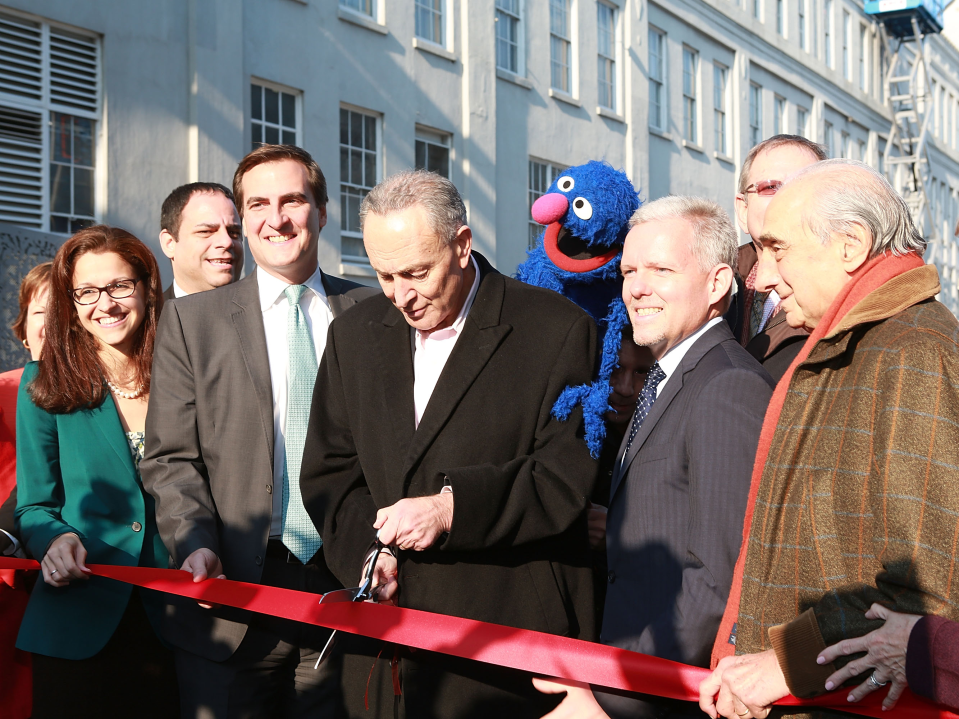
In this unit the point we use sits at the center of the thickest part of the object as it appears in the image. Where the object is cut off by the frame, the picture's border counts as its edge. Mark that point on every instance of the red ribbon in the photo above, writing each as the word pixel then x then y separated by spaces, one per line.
pixel 529 651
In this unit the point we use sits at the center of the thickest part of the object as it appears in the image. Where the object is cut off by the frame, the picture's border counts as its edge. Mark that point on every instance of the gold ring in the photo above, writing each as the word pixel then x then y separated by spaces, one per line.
pixel 744 713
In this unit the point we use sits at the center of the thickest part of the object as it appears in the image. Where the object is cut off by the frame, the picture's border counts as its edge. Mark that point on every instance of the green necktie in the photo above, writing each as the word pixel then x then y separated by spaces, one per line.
pixel 299 534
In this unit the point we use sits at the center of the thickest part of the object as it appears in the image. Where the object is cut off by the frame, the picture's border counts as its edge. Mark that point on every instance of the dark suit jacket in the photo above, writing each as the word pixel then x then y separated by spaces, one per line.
pixel 168 293
pixel 778 344
pixel 209 443
pixel 676 509
pixel 517 553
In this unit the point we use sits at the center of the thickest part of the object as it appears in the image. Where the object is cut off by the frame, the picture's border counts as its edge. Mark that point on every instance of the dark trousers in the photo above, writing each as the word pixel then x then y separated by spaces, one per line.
pixel 271 673
pixel 132 675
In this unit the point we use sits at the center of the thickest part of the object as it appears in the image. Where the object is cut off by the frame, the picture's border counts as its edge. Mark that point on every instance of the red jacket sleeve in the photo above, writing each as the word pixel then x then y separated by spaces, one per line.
pixel 932 660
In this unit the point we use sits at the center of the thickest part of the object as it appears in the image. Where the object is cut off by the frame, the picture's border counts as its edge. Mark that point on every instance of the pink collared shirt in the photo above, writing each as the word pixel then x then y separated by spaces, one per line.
pixel 431 350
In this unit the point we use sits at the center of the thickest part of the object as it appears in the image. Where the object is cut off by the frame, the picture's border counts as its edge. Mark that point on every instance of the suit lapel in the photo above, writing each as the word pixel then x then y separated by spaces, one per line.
pixel 395 374
pixel 107 421
pixel 338 300
pixel 248 321
pixel 712 337
pixel 482 335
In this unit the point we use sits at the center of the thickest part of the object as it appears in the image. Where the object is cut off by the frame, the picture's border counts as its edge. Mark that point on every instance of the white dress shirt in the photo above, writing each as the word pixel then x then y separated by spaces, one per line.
pixel 431 350
pixel 671 360
pixel 275 308
pixel 178 291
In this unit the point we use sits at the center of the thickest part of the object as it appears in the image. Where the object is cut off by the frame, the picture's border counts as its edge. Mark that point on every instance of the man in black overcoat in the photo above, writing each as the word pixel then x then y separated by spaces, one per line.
pixel 431 422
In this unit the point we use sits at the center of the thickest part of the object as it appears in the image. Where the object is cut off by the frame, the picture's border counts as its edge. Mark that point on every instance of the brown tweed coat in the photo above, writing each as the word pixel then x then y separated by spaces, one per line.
pixel 859 498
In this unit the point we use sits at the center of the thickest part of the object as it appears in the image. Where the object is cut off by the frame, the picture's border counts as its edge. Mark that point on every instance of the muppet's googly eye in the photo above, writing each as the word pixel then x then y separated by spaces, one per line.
pixel 565 183
pixel 582 208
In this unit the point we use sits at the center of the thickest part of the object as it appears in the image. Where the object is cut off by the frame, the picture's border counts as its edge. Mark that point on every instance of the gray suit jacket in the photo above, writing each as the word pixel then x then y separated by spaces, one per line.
pixel 676 510
pixel 209 444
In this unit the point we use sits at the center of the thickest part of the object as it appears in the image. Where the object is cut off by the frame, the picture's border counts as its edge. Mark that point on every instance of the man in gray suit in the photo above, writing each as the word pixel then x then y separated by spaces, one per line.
pixel 681 481
pixel 233 374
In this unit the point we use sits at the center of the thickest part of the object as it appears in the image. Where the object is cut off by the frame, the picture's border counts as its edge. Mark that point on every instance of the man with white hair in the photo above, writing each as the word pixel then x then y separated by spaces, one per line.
pixel 855 491
pixel 680 484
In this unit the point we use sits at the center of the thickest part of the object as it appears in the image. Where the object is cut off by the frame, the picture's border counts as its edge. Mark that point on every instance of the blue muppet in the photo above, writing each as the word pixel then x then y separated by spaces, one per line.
pixel 586 212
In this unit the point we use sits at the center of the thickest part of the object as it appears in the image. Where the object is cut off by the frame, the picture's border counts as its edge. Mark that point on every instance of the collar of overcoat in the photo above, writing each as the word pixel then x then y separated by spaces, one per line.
pixel 712 337
pixel 482 334
pixel 248 321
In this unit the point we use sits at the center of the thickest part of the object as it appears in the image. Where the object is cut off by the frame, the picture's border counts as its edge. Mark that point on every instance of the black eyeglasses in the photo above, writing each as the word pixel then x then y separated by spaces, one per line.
pixel 117 290
pixel 765 188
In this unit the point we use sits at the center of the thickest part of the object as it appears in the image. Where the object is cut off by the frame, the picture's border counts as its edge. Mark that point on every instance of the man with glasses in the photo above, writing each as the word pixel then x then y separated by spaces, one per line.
pixel 754 314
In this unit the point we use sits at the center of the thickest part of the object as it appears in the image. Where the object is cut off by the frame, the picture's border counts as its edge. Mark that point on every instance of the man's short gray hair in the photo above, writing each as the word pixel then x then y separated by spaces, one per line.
pixel 714 238
pixel 849 193
pixel 434 193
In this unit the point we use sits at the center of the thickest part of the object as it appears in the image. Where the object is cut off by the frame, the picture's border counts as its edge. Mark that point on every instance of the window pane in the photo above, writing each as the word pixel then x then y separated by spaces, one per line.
pixel 83 141
pixel 369 169
pixel 353 247
pixel 271 105
pixel 59 224
pixel 272 135
pixel 439 160
pixel 420 163
pixel 289 137
pixel 344 165
pixel 77 225
pixel 356 129
pixel 370 134
pixel 256 102
pixel 356 167
pixel 60 188
pixel 289 110
pixel 344 127
pixel 61 135
pixel 82 191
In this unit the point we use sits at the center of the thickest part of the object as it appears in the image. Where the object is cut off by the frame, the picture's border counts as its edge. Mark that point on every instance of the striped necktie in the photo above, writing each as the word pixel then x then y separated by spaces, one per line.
pixel 299 535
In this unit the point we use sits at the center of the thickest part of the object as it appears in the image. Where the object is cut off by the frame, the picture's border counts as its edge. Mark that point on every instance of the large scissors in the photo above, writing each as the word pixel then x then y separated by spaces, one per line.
pixel 362 593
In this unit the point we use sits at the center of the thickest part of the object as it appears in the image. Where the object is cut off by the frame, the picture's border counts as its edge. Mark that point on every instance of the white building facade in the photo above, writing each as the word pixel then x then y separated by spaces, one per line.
pixel 106 106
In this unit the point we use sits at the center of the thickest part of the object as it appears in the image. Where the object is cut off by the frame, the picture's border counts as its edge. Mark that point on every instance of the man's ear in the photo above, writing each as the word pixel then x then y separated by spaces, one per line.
pixel 720 283
pixel 167 243
pixel 741 213
pixel 463 242
pixel 856 247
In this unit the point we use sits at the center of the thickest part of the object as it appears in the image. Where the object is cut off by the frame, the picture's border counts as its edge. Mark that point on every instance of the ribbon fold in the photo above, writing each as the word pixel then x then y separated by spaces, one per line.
pixel 535 652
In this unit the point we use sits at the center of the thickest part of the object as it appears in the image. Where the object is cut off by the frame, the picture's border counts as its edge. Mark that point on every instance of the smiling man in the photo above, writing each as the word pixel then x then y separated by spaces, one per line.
pixel 431 425
pixel 679 488
pixel 200 233
pixel 857 473
pixel 233 372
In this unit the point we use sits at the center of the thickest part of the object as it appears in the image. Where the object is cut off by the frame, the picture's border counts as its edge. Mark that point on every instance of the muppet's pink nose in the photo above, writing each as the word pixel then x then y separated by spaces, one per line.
pixel 549 208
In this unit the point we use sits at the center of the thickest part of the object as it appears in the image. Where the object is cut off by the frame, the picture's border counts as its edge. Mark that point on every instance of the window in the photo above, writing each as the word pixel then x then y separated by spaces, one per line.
pixel 757 9
pixel 846 31
pixel 606 57
pixel 560 46
pixel 430 23
pixel 508 35
pixel 781 17
pixel 433 151
pixel 802 121
pixel 657 79
pixel 861 150
pixel 366 7
pixel 827 139
pixel 779 115
pixel 273 116
pixel 845 147
pixel 863 77
pixel 827 32
pixel 359 172
pixel 801 4
pixel 720 92
pixel 49 80
pixel 690 72
pixel 541 176
pixel 755 114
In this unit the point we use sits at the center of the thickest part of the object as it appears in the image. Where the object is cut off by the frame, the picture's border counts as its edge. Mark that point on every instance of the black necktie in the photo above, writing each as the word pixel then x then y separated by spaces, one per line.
pixel 645 402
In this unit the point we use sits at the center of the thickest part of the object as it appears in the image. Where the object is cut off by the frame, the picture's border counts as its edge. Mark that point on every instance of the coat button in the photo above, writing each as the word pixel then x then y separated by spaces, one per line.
pixel 611 576
pixel 258 561
pixel 137 526
pixel 269 489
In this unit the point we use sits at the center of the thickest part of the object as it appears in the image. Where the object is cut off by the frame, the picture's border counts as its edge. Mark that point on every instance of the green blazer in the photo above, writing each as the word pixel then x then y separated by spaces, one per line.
pixel 75 473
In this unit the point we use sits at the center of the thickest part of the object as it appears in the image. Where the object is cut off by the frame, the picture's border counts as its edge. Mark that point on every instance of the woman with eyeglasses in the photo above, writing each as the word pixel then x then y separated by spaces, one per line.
pixel 81 412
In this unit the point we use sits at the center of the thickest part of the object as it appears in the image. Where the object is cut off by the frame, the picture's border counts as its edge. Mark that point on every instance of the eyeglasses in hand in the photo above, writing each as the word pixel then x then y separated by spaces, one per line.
pixel 117 290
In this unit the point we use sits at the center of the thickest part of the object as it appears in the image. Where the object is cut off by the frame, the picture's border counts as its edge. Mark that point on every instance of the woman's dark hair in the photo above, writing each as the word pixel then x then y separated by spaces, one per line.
pixel 70 375
pixel 34 283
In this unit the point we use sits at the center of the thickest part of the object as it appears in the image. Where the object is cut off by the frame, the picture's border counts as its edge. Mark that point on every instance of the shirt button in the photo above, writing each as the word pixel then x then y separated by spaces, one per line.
pixel 137 526
pixel 258 561
pixel 269 489
pixel 611 576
